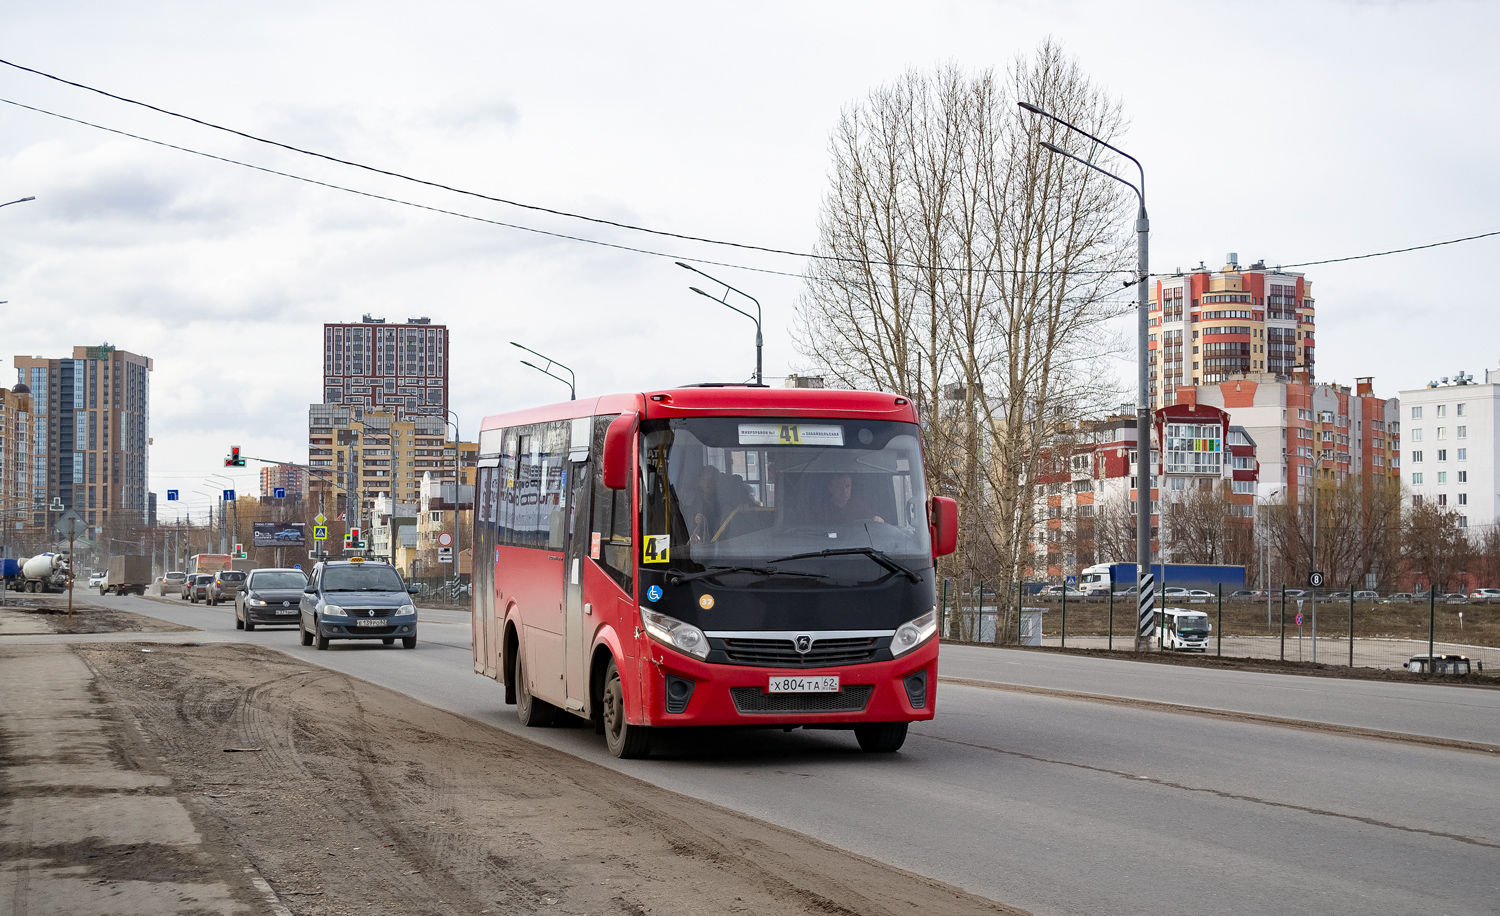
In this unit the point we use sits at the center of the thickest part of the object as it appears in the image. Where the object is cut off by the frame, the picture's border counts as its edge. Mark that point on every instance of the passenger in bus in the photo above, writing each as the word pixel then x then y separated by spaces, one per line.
pixel 842 507
pixel 717 497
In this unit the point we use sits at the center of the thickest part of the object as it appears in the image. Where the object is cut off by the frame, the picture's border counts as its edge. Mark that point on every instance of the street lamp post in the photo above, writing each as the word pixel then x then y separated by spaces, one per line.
pixel 1265 552
pixel 21 201
pixel 759 338
pixel 570 381
pixel 1146 594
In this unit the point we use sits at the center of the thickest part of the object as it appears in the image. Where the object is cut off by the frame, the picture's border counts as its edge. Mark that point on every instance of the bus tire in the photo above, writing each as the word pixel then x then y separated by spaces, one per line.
pixel 625 741
pixel 880 737
pixel 532 712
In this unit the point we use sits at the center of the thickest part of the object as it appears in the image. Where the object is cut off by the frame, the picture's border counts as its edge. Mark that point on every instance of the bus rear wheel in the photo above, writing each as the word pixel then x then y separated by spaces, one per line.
pixel 626 741
pixel 880 737
pixel 532 712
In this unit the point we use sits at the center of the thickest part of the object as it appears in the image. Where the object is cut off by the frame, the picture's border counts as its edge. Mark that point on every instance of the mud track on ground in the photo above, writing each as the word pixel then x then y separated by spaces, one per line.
pixel 350 798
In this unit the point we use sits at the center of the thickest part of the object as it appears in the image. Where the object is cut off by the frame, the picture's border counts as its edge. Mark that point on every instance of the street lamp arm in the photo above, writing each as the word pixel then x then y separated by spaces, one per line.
pixel 571 395
pixel 727 305
pixel 759 337
pixel 1104 143
pixel 21 201
pixel 1103 171
pixel 571 381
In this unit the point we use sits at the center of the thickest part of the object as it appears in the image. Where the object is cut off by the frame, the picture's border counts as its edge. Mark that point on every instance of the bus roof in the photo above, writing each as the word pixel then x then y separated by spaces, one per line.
pixel 726 400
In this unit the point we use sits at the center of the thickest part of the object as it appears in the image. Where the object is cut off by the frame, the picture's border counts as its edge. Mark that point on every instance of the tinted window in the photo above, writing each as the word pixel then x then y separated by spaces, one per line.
pixel 279 579
pixel 361 578
pixel 232 576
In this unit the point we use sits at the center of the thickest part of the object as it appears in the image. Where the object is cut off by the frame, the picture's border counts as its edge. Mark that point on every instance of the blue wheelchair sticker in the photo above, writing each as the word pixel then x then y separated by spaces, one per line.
pixel 653 594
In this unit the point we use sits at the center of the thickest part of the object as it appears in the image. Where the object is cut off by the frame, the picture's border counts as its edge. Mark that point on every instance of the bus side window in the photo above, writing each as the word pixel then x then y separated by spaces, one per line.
pixel 611 516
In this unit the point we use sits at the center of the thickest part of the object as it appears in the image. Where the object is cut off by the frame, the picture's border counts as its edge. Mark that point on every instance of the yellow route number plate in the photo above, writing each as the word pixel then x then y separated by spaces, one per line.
pixel 656 548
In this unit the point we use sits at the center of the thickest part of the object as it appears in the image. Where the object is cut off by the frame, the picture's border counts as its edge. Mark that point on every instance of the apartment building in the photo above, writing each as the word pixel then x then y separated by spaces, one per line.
pixel 286 477
pixel 1451 459
pixel 90 434
pixel 1209 326
pixel 16 506
pixel 401 368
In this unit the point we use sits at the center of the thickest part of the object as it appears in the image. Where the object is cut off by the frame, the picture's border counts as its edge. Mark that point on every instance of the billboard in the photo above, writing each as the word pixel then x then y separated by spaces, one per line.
pixel 280 534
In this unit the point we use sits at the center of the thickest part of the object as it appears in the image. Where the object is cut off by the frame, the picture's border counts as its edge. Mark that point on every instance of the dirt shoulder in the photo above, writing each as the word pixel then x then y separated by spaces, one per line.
pixel 49 614
pixel 350 798
pixel 1260 665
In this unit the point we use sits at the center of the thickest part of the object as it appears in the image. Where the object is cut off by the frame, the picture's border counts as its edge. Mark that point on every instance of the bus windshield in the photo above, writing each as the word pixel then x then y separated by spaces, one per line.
pixel 757 493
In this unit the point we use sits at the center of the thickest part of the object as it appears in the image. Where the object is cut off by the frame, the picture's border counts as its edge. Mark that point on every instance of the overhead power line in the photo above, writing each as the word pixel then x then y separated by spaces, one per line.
pixel 390 173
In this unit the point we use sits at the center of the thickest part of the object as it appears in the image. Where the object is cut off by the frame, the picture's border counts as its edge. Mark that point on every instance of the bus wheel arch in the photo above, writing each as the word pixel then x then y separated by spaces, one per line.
pixel 598 668
pixel 508 662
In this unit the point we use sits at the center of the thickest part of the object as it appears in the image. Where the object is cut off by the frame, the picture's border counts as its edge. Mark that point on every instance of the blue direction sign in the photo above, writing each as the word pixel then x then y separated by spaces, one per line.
pixel 229 496
pixel 172 496
pixel 279 493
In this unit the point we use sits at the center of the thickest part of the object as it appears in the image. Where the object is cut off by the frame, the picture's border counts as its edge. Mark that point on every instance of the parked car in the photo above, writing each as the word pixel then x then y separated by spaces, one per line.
pixel 356 599
pixel 1399 598
pixel 1175 592
pixel 1295 593
pixel 1454 598
pixel 224 585
pixel 171 583
pixel 1246 593
pixel 1366 595
pixel 196 587
pixel 1337 596
pixel 1057 591
pixel 1485 595
pixel 1200 593
pixel 270 596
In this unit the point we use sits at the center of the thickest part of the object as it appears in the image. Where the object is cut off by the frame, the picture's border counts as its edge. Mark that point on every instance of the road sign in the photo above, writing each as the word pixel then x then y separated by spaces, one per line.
pixel 445 539
pixel 171 496
pixel 229 496
pixel 1070 580
pixel 278 493
pixel 1299 606
pixel 445 551
pixel 320 532
pixel 1315 579
pixel 1299 620
pixel 321 519
pixel 71 526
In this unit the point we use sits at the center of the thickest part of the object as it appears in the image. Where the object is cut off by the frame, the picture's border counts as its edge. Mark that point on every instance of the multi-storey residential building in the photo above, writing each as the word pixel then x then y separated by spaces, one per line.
pixel 356 454
pixel 1210 326
pixel 402 368
pixel 1091 482
pixel 16 507
pixel 1293 419
pixel 91 433
pixel 1450 454
pixel 287 477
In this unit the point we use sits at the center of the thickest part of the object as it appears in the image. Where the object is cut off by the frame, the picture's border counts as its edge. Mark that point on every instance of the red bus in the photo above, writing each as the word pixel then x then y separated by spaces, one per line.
pixel 716 555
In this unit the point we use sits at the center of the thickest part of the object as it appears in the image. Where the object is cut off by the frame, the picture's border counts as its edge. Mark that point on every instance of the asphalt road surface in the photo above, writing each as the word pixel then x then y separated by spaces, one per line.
pixel 1066 806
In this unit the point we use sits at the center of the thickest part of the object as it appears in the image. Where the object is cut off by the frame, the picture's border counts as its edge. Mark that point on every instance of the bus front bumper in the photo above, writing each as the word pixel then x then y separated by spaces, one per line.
pixel 899 690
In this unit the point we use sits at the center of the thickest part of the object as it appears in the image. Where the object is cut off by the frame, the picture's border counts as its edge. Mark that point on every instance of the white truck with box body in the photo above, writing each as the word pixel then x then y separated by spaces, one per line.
pixel 127 575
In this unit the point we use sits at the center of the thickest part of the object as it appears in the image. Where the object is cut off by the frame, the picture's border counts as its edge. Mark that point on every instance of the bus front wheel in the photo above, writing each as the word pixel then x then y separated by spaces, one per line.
pixel 881 737
pixel 626 741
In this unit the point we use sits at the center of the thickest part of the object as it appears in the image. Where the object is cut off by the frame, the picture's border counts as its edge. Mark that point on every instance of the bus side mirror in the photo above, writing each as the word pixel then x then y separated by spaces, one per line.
pixel 944 522
pixel 616 459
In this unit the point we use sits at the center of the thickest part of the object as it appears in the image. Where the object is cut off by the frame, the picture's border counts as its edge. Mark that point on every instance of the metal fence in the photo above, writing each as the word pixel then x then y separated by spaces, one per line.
pixel 1330 625
pixel 437 591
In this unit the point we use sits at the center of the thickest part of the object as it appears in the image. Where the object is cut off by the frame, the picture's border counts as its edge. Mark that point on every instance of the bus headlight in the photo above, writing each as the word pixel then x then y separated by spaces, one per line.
pixel 913 633
pixel 684 637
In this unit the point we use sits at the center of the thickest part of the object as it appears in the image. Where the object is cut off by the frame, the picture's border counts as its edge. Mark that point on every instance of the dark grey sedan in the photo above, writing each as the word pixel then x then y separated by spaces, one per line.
pixel 352 599
pixel 270 597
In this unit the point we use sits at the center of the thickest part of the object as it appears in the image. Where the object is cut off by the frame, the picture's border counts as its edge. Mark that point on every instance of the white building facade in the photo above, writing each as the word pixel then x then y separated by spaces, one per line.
pixel 1449 431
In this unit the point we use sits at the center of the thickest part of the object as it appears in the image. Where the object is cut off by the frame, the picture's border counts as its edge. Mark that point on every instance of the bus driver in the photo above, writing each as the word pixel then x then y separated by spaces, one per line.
pixel 842 506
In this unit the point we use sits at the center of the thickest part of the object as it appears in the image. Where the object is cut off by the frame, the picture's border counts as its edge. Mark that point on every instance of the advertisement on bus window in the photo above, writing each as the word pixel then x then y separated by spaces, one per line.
pixel 280 534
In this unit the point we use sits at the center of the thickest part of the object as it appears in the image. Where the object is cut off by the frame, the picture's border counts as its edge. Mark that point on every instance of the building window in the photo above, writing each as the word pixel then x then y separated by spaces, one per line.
pixel 1416 501
pixel 1416 479
pixel 1442 410
pixel 1442 432
pixel 1416 456
pixel 1460 411
pixel 1442 499
pixel 1463 499
pixel 1442 476
pixel 1463 476
pixel 1416 413
pixel 1463 521
pixel 1415 434
pixel 1463 454
pixel 1442 454
pixel 1461 432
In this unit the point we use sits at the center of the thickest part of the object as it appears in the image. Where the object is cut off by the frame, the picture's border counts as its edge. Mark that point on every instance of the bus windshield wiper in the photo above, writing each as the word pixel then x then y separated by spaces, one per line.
pixel 677 578
pixel 879 556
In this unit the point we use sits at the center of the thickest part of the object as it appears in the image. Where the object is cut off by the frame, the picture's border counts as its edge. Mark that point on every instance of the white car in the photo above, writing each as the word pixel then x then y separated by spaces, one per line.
pixel 1486 595
pixel 1200 593
pixel 96 579
pixel 1175 592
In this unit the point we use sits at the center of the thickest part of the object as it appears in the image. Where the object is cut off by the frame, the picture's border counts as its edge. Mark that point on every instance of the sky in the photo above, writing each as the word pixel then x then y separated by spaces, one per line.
pixel 1288 132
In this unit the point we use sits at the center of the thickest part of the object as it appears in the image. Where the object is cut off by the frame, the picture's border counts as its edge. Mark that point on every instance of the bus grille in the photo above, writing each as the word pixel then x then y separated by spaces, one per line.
pixel 780 653
pixel 754 701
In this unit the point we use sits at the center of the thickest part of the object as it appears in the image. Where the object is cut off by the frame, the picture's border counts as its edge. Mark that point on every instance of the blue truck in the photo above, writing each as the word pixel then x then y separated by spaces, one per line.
pixel 1106 577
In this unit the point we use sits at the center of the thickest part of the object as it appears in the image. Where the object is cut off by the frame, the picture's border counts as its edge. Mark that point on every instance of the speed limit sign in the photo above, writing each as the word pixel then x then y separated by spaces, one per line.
pixel 1315 579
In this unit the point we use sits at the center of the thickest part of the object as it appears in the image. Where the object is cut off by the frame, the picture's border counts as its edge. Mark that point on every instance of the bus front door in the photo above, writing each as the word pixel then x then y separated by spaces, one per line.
pixel 575 622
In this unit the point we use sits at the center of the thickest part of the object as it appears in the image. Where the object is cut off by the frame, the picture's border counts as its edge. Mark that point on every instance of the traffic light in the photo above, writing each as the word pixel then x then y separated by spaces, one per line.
pixel 234 460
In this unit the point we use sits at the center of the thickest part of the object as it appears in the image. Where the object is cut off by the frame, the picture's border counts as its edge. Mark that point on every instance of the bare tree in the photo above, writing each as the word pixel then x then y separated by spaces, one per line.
pixel 1437 550
pixel 963 265
pixel 1201 526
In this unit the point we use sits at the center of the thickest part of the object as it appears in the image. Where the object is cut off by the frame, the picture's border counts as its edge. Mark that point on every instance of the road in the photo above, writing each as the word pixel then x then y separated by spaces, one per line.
pixel 1065 806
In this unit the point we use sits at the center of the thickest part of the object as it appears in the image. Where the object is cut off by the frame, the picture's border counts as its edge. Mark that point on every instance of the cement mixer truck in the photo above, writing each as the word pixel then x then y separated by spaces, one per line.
pixel 45 572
